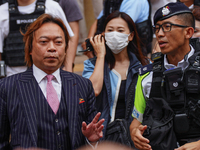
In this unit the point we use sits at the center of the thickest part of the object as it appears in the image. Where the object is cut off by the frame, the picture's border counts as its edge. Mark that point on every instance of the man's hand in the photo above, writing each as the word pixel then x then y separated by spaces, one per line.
pixel 190 146
pixel 93 131
pixel 139 141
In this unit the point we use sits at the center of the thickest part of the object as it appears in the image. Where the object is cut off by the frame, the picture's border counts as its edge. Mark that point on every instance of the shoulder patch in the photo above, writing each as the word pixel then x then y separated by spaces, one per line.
pixel 145 69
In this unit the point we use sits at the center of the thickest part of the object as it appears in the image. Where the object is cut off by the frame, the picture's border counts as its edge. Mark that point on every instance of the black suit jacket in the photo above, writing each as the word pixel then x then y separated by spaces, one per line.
pixel 18 108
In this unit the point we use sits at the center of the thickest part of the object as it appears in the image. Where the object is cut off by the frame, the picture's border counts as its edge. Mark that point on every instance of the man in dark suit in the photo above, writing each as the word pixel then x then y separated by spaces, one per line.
pixel 55 113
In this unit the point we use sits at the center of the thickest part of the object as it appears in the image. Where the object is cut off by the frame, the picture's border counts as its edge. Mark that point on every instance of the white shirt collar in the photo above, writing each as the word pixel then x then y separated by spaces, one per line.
pixel 183 63
pixel 40 75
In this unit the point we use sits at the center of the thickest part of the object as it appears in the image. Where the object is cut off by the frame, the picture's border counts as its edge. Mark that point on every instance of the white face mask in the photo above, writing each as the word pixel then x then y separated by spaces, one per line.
pixel 116 41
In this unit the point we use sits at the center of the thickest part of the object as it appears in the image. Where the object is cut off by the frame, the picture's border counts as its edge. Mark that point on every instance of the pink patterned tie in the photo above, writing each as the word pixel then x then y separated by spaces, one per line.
pixel 52 97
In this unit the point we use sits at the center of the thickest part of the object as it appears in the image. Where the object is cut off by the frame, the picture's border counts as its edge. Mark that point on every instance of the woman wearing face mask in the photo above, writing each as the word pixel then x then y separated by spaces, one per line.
pixel 118 58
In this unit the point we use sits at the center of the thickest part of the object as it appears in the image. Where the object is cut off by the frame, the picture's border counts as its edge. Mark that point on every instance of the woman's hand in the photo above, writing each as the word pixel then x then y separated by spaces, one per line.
pixel 97 76
pixel 98 44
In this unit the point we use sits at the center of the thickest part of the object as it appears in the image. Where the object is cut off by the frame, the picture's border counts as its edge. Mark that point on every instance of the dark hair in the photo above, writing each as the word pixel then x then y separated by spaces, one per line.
pixel 29 35
pixel 196 12
pixel 133 46
pixel 187 18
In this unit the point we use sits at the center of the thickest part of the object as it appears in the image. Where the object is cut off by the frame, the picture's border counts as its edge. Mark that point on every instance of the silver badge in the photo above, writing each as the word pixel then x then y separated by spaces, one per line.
pixel 175 84
pixel 145 68
pixel 165 11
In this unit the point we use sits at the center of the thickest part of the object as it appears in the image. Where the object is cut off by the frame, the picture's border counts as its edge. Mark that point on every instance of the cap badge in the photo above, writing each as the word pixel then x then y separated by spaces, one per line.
pixel 165 11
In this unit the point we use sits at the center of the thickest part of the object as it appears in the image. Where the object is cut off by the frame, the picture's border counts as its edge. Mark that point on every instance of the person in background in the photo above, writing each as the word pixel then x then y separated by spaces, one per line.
pixel 194 6
pixel 188 3
pixel 73 15
pixel 97 7
pixel 173 27
pixel 46 107
pixel 196 13
pixel 17 15
pixel 117 61
pixel 138 10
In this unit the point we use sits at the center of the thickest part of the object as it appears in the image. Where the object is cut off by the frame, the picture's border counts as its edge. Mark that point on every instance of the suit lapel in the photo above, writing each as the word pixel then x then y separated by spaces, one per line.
pixel 27 86
pixel 70 90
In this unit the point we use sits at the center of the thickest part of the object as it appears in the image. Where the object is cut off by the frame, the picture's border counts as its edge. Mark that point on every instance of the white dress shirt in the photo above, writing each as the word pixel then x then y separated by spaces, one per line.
pixel 41 79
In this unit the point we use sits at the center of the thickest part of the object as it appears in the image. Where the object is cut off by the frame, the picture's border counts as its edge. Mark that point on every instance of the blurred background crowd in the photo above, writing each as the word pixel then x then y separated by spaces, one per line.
pixel 82 16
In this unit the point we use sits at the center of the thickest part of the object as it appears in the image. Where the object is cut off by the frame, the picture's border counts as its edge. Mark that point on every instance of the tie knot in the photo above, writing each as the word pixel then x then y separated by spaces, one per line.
pixel 49 77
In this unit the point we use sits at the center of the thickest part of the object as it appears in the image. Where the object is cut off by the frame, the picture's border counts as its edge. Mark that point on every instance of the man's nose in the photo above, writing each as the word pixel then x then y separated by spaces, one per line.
pixel 51 47
pixel 160 32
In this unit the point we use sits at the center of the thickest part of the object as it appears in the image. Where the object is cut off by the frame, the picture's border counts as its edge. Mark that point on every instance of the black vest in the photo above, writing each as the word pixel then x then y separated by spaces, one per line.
pixel 13 52
pixel 181 90
pixel 53 130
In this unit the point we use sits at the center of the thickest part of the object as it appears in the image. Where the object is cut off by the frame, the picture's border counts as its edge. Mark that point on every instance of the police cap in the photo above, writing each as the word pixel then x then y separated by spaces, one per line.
pixel 170 10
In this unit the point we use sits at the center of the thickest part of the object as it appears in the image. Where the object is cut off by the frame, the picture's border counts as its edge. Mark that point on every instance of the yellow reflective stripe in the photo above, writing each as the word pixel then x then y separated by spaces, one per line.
pixel 140 102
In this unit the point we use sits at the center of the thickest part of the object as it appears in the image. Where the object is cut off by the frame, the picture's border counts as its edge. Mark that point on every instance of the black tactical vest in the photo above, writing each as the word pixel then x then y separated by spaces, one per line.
pixel 13 52
pixel 181 89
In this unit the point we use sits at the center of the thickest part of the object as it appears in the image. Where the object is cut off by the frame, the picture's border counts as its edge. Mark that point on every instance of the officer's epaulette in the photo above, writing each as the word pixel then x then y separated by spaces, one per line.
pixel 145 69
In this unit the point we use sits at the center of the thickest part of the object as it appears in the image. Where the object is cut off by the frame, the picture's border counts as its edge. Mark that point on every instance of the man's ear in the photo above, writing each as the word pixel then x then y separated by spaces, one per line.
pixel 131 36
pixel 189 32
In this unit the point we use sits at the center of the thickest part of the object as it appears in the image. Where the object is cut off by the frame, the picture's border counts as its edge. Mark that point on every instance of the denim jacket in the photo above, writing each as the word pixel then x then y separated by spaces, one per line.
pixel 106 101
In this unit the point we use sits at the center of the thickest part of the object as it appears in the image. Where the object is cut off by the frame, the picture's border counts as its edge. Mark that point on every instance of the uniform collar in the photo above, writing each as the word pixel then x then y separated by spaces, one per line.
pixel 184 63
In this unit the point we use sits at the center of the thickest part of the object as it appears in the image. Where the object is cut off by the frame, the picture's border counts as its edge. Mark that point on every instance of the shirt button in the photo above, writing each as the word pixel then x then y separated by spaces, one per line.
pixel 58 132
pixel 56 120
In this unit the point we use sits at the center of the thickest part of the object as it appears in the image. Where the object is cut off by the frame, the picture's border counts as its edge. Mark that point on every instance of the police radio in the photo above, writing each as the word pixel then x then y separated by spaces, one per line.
pixel 173 85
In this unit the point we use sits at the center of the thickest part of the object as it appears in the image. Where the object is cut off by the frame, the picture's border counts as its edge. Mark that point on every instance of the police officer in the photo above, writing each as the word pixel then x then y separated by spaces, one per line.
pixel 15 16
pixel 177 67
